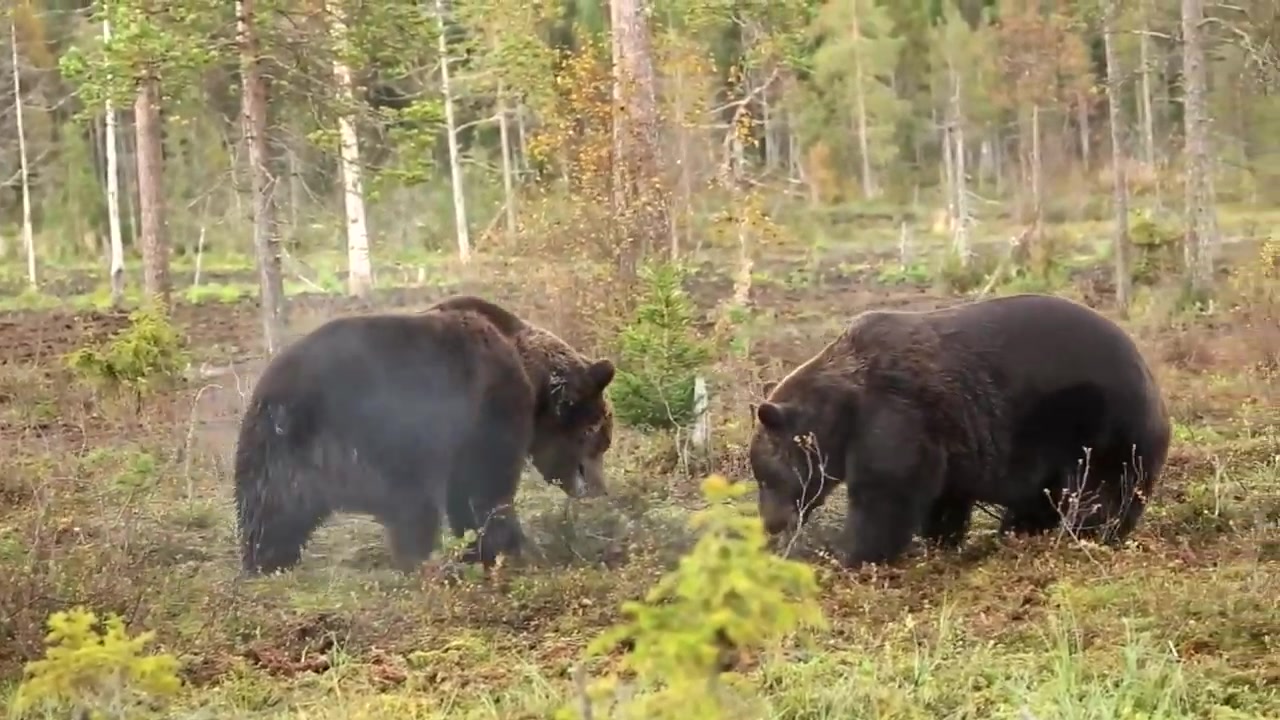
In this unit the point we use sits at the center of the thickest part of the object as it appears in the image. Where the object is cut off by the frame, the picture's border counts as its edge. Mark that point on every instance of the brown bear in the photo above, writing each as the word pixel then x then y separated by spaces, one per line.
pixel 406 417
pixel 1031 402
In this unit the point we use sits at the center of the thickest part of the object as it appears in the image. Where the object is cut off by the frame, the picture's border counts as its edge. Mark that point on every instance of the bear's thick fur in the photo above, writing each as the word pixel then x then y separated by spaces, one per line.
pixel 405 417
pixel 924 414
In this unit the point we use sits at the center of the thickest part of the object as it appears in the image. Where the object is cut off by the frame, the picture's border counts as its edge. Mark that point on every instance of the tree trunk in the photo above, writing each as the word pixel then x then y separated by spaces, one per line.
pixel 639 201
pixel 1144 106
pixel 153 227
pixel 1082 121
pixel 949 171
pixel 522 141
pixel 683 179
pixel 28 232
pixel 455 163
pixel 508 169
pixel 253 120
pixel 1120 191
pixel 997 161
pixel 960 230
pixel 769 124
pixel 860 107
pixel 113 195
pixel 359 270
pixel 1200 224
pixel 1037 200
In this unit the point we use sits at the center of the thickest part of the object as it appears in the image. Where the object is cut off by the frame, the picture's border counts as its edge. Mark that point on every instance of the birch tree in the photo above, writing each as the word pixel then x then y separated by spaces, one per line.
pixel 508 171
pixel 151 53
pixel 963 75
pixel 359 268
pixel 451 130
pixel 113 191
pixel 1144 100
pixel 508 64
pixel 28 232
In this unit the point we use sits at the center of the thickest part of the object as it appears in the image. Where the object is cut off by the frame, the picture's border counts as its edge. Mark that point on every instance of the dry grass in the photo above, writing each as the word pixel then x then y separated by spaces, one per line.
pixel 131 513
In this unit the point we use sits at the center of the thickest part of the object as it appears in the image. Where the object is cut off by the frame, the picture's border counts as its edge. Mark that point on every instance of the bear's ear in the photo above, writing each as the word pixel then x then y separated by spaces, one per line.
pixel 773 416
pixel 769 387
pixel 599 375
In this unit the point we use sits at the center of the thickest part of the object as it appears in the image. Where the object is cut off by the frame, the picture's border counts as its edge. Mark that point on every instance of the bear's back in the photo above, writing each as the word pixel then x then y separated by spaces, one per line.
pixel 1042 341
pixel 362 369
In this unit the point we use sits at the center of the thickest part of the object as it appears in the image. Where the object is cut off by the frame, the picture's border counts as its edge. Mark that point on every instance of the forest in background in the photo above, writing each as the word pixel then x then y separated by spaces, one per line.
pixel 951 117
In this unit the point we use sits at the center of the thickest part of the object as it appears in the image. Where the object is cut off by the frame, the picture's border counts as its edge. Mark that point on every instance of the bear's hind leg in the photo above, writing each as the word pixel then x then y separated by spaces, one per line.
pixel 947 523
pixel 1031 518
pixel 1038 513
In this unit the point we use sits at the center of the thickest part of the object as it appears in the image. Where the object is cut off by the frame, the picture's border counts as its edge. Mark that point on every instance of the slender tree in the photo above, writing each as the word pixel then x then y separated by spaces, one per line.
pixel 253 123
pixel 1201 223
pixel 1120 190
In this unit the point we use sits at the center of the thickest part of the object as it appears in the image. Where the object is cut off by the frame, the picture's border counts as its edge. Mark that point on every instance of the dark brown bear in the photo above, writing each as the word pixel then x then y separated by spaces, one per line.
pixel 924 414
pixel 406 417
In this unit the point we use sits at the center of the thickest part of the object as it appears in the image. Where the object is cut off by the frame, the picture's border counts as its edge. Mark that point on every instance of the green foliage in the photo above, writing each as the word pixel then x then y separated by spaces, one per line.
pixel 98 674
pixel 911 274
pixel 177 43
pixel 729 594
pixel 856 71
pixel 1157 244
pixel 659 355
pixel 959 277
pixel 147 353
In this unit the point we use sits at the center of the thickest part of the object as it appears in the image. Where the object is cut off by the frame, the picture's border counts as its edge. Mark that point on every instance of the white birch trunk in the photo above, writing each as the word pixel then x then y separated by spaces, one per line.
pixel 359 265
pixel 113 194
pixel 28 233
pixel 455 163
pixel 860 101
pixel 508 171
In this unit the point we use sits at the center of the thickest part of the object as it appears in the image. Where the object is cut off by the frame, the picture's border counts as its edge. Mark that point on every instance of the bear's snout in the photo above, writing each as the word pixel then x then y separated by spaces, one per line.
pixel 778 515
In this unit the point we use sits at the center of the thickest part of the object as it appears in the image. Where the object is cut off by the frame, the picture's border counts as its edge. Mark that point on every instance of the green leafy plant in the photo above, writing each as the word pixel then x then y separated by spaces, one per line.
pixel 659 356
pixel 728 595
pixel 147 353
pixel 98 674
pixel 1157 244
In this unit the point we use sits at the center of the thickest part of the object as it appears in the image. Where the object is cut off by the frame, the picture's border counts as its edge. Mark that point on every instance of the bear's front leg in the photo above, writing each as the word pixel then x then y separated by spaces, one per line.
pixel 880 524
pixel 495 523
pixel 500 534
pixel 947 522
pixel 892 485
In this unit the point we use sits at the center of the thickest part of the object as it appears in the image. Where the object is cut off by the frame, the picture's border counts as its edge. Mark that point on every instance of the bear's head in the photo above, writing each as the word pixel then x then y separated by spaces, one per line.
pixel 797 450
pixel 574 427
pixel 573 424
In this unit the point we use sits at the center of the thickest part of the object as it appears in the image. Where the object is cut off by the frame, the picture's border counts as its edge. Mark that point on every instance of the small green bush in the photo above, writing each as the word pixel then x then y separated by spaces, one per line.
pixel 729 594
pixel 96 674
pixel 1157 243
pixel 147 353
pixel 659 356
